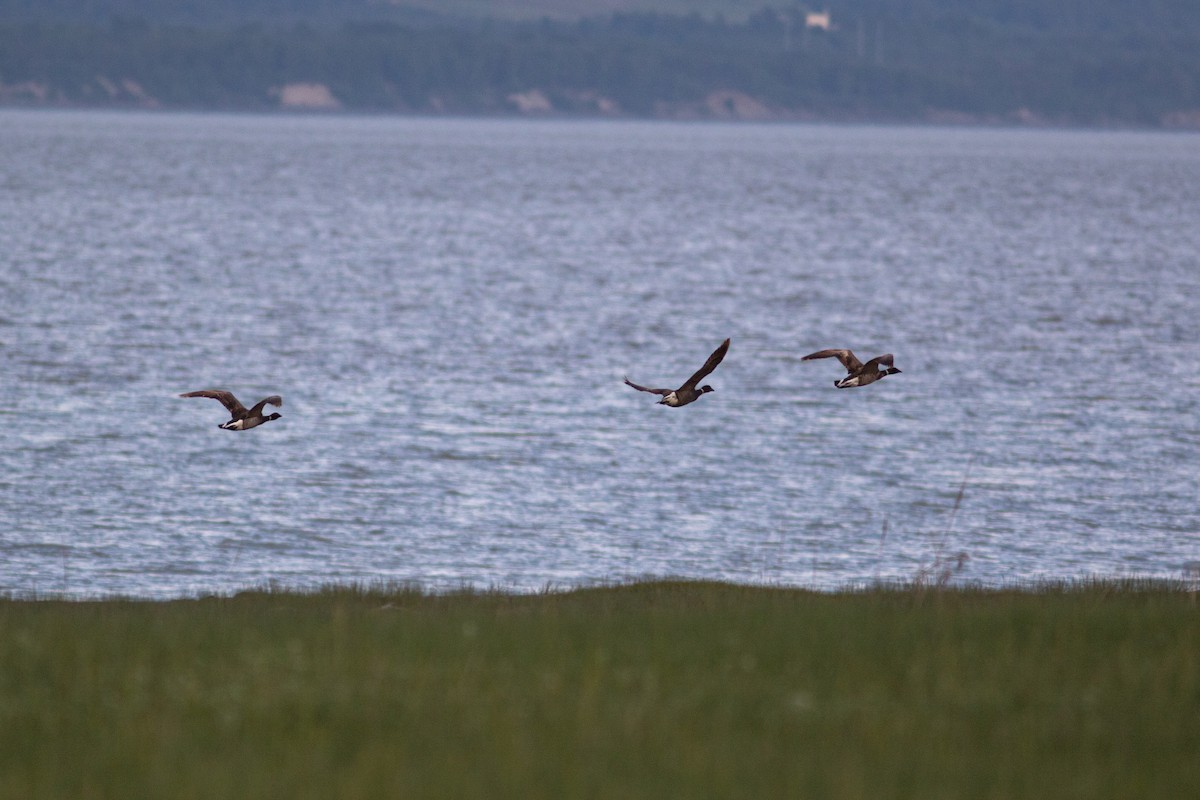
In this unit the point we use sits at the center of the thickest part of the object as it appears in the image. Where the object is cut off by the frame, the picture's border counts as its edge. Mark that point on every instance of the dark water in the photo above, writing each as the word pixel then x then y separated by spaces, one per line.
pixel 448 308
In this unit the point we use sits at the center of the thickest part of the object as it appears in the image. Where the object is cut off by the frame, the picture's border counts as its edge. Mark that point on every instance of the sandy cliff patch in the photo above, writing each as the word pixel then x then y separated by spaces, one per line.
pixel 307 96
pixel 531 102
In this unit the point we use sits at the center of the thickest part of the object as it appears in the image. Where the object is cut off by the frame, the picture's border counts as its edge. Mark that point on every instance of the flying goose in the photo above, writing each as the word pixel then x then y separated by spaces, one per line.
pixel 241 419
pixel 688 392
pixel 857 373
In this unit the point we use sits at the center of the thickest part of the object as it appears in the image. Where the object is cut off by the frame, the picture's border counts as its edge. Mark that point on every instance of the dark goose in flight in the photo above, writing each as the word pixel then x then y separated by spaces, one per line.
pixel 857 373
pixel 240 418
pixel 688 392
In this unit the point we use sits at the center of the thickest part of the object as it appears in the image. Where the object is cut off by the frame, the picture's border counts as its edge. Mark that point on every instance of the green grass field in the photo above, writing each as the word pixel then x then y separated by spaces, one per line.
pixel 650 690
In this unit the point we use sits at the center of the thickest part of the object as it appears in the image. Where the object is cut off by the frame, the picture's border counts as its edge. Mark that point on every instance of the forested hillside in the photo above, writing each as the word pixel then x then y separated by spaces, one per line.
pixel 1104 62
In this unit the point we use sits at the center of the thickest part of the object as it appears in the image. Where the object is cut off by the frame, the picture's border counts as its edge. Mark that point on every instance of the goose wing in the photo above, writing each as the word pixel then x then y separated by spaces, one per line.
pixel 663 392
pixel 226 398
pixel 847 358
pixel 274 400
pixel 875 363
pixel 709 365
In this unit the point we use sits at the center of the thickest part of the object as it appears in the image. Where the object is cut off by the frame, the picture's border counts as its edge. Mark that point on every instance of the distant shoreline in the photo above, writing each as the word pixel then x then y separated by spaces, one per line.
pixel 1012 122
pixel 949 64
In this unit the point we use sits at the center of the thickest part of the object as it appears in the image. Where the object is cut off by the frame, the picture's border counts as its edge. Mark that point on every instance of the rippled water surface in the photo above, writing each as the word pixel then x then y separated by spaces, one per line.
pixel 448 308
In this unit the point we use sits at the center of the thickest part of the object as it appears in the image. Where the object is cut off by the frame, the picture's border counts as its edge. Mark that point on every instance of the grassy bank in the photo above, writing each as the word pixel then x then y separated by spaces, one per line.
pixel 649 690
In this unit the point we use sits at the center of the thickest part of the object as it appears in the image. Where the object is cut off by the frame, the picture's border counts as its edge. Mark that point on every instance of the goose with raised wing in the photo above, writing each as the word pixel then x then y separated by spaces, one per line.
pixel 688 392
